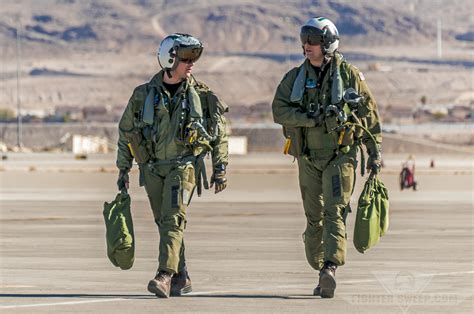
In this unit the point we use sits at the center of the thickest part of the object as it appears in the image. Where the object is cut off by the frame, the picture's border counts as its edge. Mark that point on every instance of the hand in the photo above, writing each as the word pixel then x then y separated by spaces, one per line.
pixel 374 164
pixel 218 177
pixel 317 117
pixel 122 182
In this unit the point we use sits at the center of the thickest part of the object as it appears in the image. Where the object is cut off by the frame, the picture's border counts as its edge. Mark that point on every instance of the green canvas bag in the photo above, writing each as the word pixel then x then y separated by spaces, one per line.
pixel 119 231
pixel 372 215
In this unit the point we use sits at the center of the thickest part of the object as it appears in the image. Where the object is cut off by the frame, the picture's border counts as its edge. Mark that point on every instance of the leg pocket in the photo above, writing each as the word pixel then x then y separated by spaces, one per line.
pixel 175 199
pixel 173 191
pixel 332 189
pixel 182 186
pixel 338 182
pixel 188 184
pixel 187 192
pixel 336 185
pixel 348 180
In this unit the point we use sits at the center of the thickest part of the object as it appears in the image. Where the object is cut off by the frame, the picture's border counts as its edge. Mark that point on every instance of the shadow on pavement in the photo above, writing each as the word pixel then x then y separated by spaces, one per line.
pixel 251 296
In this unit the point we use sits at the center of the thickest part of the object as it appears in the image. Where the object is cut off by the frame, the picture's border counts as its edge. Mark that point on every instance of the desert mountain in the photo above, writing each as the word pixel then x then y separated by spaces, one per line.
pixel 94 52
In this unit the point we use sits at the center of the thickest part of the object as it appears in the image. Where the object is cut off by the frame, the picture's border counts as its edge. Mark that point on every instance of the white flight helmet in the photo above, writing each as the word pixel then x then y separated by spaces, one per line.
pixel 320 30
pixel 178 47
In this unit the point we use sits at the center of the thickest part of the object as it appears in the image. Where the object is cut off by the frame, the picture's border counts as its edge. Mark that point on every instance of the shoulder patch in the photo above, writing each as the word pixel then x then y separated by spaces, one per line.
pixel 361 76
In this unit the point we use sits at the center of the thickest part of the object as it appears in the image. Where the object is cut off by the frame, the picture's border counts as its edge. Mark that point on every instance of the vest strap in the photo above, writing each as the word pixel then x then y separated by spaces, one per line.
pixel 195 103
pixel 149 107
pixel 298 86
pixel 336 87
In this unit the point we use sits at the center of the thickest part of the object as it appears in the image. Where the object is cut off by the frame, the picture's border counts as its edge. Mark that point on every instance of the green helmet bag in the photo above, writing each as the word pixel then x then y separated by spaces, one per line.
pixel 372 215
pixel 119 231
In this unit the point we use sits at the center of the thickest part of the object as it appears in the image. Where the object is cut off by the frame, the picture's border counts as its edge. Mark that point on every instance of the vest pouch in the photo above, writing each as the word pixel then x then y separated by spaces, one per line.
pixel 347 137
pixel 295 135
pixel 331 123
pixel 138 146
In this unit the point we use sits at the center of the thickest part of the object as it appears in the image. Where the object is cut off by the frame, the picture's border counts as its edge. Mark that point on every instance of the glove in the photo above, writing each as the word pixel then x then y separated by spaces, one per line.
pixel 122 182
pixel 317 117
pixel 374 163
pixel 218 178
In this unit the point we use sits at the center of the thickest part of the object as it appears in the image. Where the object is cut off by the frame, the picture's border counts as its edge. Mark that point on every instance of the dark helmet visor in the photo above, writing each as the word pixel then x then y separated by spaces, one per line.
pixel 189 54
pixel 311 35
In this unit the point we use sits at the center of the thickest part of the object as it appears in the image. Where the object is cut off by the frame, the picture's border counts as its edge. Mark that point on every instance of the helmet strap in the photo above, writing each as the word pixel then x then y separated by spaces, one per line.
pixel 326 60
pixel 323 48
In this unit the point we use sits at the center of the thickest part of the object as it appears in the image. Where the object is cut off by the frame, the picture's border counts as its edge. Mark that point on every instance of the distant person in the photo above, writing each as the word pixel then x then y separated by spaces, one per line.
pixel 407 175
pixel 318 105
pixel 168 126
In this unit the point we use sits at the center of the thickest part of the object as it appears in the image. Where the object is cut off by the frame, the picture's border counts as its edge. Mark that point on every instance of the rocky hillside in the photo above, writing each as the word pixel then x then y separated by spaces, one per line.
pixel 57 26
pixel 94 52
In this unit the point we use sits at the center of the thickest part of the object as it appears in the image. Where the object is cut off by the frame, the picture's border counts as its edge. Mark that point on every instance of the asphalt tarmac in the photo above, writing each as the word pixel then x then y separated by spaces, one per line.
pixel 244 246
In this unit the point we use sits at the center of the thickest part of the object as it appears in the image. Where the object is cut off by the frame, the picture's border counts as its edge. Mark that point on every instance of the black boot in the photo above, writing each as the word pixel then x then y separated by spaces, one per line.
pixel 327 279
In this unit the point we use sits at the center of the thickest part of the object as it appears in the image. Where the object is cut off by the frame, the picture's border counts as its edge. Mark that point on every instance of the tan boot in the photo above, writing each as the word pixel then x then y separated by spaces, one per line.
pixel 160 285
pixel 181 283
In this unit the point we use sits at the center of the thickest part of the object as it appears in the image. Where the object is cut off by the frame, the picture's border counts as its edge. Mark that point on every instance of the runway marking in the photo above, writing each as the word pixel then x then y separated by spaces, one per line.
pixel 222 291
pixel 60 303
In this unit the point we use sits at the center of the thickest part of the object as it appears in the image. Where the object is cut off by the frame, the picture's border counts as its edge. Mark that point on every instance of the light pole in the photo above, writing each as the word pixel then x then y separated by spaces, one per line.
pixel 18 101
pixel 439 39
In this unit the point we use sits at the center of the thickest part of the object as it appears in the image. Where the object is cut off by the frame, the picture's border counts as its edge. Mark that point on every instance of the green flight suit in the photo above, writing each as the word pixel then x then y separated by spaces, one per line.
pixel 326 167
pixel 166 159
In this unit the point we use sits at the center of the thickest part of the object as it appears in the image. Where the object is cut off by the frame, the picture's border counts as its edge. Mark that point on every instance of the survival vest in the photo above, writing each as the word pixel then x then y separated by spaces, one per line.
pixel 339 119
pixel 197 126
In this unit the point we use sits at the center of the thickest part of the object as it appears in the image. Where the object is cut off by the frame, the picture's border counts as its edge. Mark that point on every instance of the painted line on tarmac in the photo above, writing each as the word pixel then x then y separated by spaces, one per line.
pixel 60 303
pixel 223 291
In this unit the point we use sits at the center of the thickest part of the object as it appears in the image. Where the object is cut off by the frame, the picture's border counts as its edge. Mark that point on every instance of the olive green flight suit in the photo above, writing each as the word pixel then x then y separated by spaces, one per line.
pixel 166 160
pixel 326 168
